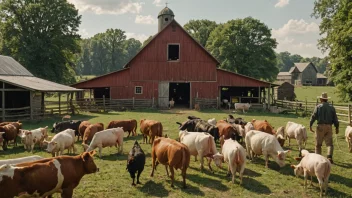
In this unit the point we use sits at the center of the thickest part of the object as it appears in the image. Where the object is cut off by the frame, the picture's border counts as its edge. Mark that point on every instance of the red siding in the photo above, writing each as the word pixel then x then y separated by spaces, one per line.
pixel 226 78
pixel 204 89
pixel 195 63
pixel 150 90
pixel 120 78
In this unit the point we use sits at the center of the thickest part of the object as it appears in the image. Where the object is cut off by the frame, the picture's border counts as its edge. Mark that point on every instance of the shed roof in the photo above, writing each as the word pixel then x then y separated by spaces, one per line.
pixel 284 74
pixel 36 84
pixel 320 75
pixel 10 67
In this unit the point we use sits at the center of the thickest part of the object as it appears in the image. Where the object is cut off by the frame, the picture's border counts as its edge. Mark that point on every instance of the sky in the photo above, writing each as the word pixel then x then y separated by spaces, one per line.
pixel 290 20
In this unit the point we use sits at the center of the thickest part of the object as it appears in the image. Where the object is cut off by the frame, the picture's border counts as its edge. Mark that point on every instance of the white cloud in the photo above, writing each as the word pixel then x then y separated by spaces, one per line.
pixel 298 37
pixel 296 27
pixel 83 33
pixel 282 3
pixel 140 37
pixel 108 6
pixel 157 3
pixel 149 19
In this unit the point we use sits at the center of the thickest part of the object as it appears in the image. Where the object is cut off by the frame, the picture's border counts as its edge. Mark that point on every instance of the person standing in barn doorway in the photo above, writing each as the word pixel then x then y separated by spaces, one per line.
pixel 326 116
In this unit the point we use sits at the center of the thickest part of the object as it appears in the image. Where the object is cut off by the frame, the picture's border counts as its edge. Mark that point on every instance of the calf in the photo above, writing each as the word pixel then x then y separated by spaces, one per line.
pixel 10 133
pixel 20 160
pixel 348 136
pixel 135 162
pixel 151 129
pixel 60 142
pixel 201 144
pixel 264 126
pixel 47 176
pixel 82 128
pixel 127 125
pixel 242 106
pixel 298 132
pixel 280 135
pixel 106 138
pixel 32 137
pixel 170 153
pixel 260 143
pixel 235 155
pixel 314 165
pixel 90 131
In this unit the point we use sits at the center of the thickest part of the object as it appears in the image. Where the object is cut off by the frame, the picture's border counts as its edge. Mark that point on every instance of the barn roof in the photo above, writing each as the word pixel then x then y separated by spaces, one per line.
pixel 284 74
pixel 156 35
pixel 302 66
pixel 319 75
pixel 10 67
pixel 36 84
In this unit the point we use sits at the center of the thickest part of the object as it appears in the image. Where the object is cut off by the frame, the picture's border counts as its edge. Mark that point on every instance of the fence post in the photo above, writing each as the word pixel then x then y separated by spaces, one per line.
pixel 217 102
pixel 59 103
pixel 133 102
pixel 31 104
pixel 306 109
pixel 104 103
pixel 296 108
pixel 349 114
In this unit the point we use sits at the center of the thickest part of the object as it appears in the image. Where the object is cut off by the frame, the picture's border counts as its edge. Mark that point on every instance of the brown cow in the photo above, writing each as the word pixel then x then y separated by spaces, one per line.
pixel 170 153
pixel 264 126
pixel 152 129
pixel 9 135
pixel 45 177
pixel 225 129
pixel 18 126
pixel 90 131
pixel 127 126
pixel 82 128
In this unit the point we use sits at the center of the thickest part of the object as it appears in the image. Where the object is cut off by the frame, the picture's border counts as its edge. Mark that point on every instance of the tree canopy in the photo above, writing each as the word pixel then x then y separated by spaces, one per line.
pixel 42 36
pixel 336 28
pixel 245 46
pixel 200 29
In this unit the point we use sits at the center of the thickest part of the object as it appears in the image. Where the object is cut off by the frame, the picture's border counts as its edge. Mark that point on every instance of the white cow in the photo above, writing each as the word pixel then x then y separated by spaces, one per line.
pixel 242 106
pixel 20 160
pixel 199 143
pixel 260 143
pixel 61 141
pixel 314 165
pixel 32 137
pixel 212 121
pixel 71 132
pixel 348 136
pixel 298 132
pixel 107 138
pixel 235 155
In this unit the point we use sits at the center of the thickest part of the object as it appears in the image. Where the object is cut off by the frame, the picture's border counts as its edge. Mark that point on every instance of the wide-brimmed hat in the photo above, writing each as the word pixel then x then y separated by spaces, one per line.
pixel 324 95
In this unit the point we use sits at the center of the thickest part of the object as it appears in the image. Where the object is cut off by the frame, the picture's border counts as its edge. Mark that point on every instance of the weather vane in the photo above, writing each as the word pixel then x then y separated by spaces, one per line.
pixel 166 3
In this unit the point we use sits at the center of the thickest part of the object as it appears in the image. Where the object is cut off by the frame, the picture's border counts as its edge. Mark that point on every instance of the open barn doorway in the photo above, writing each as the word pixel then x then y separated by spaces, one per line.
pixel 180 93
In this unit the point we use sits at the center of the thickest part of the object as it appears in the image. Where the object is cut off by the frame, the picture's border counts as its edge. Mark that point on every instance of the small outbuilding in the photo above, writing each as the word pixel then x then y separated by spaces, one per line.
pixel 21 93
pixel 321 79
pixel 286 91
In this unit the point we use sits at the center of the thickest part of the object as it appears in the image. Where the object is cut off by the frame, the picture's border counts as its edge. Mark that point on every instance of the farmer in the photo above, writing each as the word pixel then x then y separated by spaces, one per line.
pixel 325 115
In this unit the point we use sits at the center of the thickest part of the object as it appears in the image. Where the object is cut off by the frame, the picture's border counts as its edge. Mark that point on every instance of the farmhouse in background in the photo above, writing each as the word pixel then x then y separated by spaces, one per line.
pixel 302 74
pixel 173 65
pixel 21 93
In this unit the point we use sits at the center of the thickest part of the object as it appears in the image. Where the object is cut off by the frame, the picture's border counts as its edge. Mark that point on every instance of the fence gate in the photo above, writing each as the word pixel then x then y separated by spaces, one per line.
pixel 163 100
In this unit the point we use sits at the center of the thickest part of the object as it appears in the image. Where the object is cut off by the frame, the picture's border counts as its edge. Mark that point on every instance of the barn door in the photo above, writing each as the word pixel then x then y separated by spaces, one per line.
pixel 163 94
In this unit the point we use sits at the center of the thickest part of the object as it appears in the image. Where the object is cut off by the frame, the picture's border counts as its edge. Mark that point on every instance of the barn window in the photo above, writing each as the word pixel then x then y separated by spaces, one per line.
pixel 138 90
pixel 173 52
pixel 166 19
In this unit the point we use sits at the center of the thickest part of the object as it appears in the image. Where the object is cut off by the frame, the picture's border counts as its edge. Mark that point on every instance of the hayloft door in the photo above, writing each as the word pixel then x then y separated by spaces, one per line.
pixel 163 95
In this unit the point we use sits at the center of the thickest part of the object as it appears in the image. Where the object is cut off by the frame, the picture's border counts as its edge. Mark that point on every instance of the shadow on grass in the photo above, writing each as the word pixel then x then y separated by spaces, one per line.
pixel 207 182
pixel 153 189
pixel 192 190
pixel 251 173
pixel 255 186
pixel 335 193
pixel 113 157
pixel 343 165
pixel 339 179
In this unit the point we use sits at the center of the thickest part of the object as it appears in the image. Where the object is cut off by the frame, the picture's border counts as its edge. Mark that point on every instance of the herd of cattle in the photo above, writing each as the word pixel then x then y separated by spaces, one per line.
pixel 238 140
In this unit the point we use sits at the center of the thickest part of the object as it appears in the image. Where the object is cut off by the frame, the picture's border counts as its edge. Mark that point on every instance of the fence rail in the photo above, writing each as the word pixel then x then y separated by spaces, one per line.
pixel 343 112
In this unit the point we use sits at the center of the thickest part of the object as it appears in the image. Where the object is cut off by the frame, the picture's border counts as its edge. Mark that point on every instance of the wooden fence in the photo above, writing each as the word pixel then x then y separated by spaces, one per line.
pixel 343 111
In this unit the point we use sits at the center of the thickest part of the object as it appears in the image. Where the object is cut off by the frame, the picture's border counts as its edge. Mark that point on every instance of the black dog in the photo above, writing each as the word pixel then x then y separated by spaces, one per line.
pixel 135 162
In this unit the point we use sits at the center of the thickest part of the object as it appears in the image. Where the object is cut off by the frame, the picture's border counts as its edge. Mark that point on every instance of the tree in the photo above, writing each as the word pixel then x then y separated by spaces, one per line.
pixel 284 62
pixel 113 40
pixel 131 47
pixel 245 46
pixel 200 30
pixel 336 26
pixel 41 35
pixel 147 41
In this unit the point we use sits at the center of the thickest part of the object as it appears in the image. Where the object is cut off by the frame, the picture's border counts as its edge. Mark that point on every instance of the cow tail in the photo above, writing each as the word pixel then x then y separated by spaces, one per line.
pixel 327 171
pixel 238 158
pixel 185 159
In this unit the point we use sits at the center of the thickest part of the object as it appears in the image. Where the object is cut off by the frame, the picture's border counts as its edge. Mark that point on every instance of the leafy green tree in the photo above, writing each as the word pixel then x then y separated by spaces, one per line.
pixel 336 28
pixel 113 40
pixel 42 36
pixel 245 46
pixel 99 55
pixel 284 62
pixel 200 30
pixel 131 48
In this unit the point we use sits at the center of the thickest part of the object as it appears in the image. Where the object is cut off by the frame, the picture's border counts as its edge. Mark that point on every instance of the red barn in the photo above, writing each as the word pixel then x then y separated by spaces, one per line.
pixel 173 65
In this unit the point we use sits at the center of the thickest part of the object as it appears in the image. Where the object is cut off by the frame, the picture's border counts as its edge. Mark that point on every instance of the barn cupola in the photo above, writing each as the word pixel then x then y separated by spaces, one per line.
pixel 165 16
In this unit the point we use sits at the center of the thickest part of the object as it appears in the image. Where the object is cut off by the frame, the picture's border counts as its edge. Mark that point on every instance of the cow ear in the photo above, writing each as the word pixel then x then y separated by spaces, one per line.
pixel 85 156
pixel 93 152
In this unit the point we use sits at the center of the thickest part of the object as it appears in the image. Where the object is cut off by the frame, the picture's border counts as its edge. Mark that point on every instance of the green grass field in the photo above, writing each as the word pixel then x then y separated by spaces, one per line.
pixel 311 93
pixel 113 180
